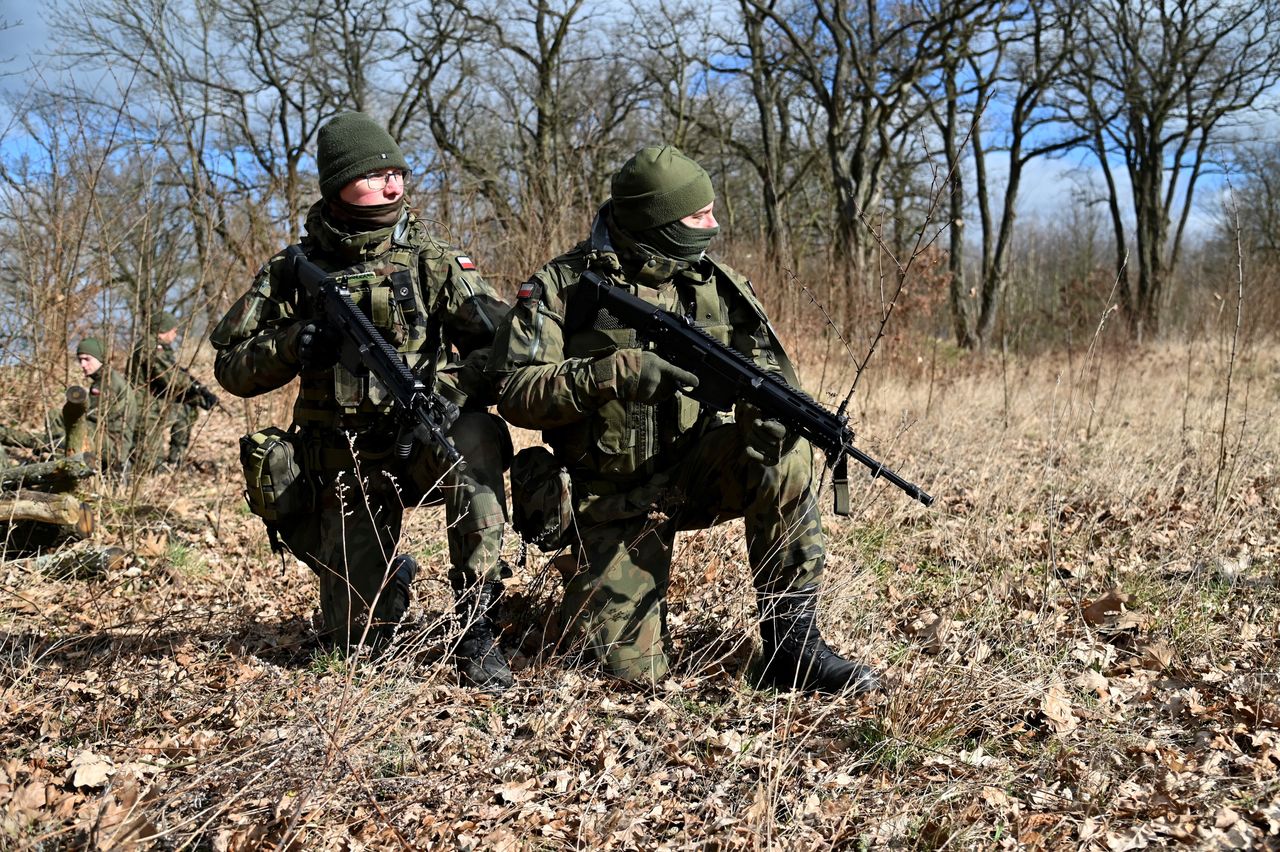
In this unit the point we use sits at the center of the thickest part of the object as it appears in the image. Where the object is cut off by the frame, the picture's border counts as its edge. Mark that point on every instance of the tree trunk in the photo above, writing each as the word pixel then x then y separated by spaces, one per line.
pixel 74 422
pixel 59 475
pixel 63 510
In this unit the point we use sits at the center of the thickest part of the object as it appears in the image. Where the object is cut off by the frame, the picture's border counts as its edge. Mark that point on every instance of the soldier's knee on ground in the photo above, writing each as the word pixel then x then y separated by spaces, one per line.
pixel 641 659
pixel 612 631
pixel 355 612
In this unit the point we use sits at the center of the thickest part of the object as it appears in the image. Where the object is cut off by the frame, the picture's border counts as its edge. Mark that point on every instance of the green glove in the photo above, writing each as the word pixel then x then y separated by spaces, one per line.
pixel 638 375
pixel 765 440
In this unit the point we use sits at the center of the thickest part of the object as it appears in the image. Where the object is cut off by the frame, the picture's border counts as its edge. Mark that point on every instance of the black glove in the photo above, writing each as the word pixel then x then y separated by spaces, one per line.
pixel 765 440
pixel 315 344
pixel 204 398
pixel 646 377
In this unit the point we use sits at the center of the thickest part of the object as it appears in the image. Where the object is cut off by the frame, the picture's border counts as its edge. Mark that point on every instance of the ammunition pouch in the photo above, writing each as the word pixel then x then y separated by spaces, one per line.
pixel 276 486
pixel 541 499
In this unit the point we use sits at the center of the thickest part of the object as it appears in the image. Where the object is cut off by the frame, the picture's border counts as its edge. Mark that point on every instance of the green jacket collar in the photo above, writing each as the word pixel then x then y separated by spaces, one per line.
pixel 329 237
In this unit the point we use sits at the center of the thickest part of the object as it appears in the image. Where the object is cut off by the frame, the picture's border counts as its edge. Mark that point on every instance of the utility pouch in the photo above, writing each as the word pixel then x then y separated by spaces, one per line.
pixel 275 484
pixel 541 499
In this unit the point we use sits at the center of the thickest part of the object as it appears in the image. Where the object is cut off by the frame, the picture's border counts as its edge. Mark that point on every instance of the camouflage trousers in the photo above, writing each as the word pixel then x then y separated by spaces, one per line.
pixel 353 535
pixel 181 419
pixel 615 605
pixel 159 418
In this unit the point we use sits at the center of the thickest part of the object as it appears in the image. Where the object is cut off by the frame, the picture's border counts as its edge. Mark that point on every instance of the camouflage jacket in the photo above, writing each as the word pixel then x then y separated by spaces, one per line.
pixel 447 321
pixel 154 366
pixel 547 346
pixel 113 410
pixel 111 414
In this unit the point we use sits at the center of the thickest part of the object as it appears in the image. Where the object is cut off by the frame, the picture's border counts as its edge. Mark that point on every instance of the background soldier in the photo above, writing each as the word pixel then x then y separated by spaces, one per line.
pixel 112 409
pixel 346 432
pixel 173 396
pixel 111 412
pixel 613 413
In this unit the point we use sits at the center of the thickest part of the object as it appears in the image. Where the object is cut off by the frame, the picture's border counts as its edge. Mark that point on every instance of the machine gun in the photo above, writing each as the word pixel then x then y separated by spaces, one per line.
pixel 726 376
pixel 427 415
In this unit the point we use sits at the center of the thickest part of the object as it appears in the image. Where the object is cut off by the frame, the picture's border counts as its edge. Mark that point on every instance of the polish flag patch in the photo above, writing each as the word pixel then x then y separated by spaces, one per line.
pixel 529 290
pixel 465 263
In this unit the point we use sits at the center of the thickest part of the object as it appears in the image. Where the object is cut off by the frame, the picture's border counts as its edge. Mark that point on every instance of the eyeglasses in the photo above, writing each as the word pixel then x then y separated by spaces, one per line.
pixel 376 181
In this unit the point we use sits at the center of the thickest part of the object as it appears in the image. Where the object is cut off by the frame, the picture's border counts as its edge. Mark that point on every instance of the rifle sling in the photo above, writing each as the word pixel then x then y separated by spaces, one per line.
pixel 840 485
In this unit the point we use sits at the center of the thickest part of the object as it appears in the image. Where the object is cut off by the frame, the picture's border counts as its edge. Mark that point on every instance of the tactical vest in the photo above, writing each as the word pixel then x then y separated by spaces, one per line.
pixel 626 440
pixel 389 289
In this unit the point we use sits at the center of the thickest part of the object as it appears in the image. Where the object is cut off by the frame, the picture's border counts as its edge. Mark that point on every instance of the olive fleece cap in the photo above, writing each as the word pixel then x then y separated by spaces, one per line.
pixel 350 145
pixel 92 346
pixel 656 186
pixel 163 322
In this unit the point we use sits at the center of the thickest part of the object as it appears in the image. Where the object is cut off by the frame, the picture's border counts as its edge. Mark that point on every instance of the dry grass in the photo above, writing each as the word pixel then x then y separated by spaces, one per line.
pixel 1080 637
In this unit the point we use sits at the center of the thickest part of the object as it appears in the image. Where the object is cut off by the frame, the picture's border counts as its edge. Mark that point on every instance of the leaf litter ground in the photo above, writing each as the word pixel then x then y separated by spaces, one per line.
pixel 1080 640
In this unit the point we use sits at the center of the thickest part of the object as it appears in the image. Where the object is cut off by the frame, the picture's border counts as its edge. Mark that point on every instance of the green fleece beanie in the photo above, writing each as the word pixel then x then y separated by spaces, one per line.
pixel 163 322
pixel 656 186
pixel 92 346
pixel 350 145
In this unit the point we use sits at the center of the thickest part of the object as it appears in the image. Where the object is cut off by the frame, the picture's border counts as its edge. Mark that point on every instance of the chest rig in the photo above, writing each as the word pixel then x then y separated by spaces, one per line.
pixel 389 289
pixel 631 439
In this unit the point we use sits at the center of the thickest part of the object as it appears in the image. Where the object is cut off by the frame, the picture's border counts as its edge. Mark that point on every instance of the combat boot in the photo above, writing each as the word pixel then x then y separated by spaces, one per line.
pixel 478 655
pixel 795 656
pixel 403 569
pixel 394 603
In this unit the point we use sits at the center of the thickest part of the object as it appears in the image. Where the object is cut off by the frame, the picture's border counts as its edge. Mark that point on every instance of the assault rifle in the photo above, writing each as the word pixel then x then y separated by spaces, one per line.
pixel 726 376
pixel 198 394
pixel 364 352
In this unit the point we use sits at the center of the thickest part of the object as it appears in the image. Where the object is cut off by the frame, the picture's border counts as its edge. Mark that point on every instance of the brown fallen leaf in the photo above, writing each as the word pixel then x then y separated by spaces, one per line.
pixel 1094 681
pixel 1112 603
pixel 90 770
pixel 1157 656
pixel 929 629
pixel 119 824
pixel 152 545
pixel 1057 710
pixel 516 794
pixel 29 797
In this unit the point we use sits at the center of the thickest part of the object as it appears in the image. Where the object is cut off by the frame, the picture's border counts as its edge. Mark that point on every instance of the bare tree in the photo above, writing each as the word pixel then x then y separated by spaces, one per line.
pixel 996 95
pixel 860 63
pixel 1154 84
pixel 1255 168
pixel 529 110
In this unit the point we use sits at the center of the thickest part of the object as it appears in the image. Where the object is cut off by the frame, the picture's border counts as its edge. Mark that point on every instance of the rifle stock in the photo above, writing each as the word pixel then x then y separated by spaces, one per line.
pixel 364 351
pixel 726 376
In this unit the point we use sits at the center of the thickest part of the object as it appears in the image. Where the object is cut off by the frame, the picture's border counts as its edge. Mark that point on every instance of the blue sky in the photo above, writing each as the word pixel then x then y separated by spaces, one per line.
pixel 1049 185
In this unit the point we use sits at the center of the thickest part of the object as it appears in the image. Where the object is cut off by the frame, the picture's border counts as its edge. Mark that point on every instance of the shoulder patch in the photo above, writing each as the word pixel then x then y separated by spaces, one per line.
pixel 529 290
pixel 465 263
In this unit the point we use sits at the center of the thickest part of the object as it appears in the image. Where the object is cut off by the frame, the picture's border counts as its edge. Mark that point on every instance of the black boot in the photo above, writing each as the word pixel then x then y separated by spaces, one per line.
pixel 795 656
pixel 478 655
pixel 403 569
pixel 396 597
